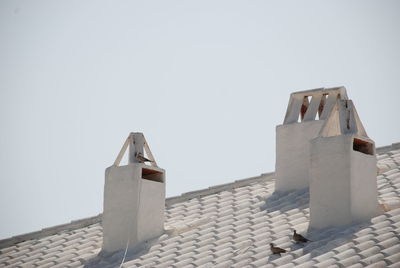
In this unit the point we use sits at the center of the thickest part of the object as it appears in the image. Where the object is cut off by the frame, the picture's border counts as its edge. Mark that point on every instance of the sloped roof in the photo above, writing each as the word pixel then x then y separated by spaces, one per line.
pixel 230 225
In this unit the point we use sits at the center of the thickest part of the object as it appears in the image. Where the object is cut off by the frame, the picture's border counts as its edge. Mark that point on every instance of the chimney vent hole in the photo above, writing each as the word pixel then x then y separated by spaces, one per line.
pixel 304 107
pixel 152 175
pixel 321 105
pixel 363 146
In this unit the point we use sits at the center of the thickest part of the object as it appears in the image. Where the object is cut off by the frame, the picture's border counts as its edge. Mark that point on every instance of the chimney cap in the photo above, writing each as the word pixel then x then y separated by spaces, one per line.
pixel 312 104
pixel 343 119
pixel 322 90
pixel 138 147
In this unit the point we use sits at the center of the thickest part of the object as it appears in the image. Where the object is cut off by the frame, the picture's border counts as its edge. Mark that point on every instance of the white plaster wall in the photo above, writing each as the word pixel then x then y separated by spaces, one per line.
pixel 292 154
pixel 364 201
pixel 343 186
pixel 120 207
pixel 330 203
pixel 151 213
pixel 133 207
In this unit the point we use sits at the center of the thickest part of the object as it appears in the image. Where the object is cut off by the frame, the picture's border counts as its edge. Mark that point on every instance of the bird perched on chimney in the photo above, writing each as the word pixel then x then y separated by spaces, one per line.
pixel 276 250
pixel 141 158
pixel 299 238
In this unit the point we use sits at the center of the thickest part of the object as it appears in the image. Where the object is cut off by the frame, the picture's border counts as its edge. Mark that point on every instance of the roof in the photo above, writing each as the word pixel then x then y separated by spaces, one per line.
pixel 230 225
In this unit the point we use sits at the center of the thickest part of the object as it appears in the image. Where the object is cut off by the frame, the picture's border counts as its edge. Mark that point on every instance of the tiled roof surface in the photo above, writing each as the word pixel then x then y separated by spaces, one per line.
pixel 230 226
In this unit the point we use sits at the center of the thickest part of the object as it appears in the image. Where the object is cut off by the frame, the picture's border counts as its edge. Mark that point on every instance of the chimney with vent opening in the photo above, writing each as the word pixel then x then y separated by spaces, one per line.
pixel 343 186
pixel 134 198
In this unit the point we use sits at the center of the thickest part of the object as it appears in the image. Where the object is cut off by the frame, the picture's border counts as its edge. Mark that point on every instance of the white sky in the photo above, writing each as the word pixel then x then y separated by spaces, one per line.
pixel 206 81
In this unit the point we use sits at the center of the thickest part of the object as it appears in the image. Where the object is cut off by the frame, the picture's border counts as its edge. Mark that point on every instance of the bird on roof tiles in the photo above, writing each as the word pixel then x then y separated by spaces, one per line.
pixel 299 238
pixel 141 158
pixel 276 250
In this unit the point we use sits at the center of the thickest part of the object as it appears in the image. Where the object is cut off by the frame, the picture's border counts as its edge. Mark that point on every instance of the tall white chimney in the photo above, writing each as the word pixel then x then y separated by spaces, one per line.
pixel 305 115
pixel 343 186
pixel 134 198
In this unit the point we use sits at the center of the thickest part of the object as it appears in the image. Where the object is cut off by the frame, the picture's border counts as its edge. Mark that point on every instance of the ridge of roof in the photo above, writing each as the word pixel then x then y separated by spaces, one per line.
pixel 383 149
pixel 76 224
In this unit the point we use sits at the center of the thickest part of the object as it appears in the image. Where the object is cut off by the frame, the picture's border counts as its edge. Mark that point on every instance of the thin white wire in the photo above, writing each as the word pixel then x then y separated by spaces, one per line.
pixel 126 250
pixel 130 229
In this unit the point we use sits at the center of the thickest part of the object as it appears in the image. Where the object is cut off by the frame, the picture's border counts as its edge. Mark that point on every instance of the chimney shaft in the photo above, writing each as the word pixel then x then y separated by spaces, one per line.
pixel 343 186
pixel 134 199
pixel 305 115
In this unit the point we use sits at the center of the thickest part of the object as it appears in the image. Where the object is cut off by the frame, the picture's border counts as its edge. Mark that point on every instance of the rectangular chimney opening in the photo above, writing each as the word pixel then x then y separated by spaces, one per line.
pixel 363 146
pixel 152 175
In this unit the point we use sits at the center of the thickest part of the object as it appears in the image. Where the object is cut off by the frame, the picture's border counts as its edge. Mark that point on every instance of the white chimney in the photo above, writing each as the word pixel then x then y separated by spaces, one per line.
pixel 343 186
pixel 134 198
pixel 305 115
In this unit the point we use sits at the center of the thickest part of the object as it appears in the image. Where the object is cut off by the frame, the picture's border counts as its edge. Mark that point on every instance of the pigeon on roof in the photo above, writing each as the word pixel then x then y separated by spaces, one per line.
pixel 299 238
pixel 276 250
